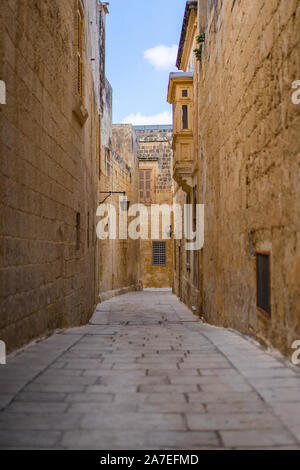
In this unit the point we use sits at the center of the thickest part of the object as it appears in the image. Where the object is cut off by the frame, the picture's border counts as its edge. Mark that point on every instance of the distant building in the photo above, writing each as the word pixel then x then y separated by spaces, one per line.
pixel 155 187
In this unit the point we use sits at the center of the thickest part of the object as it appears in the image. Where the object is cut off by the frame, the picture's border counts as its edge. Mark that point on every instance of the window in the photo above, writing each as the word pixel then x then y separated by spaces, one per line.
pixel 88 230
pixel 195 253
pixel 188 253
pixel 79 84
pixel 184 93
pixel 159 257
pixel 185 117
pixel 145 186
pixel 77 231
pixel 175 255
pixel 99 146
pixel 263 282
pixel 107 161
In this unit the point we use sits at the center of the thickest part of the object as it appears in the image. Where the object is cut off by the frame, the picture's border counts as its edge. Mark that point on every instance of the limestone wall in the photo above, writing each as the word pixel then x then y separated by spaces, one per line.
pixel 48 170
pixel 249 160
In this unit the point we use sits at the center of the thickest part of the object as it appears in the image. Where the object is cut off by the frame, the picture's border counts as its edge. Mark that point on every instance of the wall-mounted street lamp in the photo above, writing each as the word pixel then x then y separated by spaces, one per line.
pixel 170 232
pixel 124 203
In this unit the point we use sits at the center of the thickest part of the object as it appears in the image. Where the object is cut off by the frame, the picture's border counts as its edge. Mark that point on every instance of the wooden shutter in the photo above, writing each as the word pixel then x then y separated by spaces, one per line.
pixel 145 186
pixel 142 185
pixel 148 185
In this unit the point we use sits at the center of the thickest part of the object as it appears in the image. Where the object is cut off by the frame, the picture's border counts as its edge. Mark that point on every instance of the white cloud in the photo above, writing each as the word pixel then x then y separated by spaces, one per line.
pixel 140 120
pixel 162 57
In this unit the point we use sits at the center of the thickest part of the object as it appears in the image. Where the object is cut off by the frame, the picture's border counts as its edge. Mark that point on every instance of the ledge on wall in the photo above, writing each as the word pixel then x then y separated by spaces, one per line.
pixel 81 112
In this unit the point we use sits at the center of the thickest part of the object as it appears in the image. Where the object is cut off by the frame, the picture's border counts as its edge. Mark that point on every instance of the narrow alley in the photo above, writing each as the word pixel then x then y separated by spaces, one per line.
pixel 145 373
pixel 149 226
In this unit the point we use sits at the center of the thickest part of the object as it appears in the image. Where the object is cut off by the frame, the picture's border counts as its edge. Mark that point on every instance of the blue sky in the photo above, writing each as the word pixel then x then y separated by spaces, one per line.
pixel 136 65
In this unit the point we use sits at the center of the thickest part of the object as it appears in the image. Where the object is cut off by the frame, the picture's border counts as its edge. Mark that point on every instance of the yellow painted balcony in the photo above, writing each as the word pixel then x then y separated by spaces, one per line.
pixel 180 95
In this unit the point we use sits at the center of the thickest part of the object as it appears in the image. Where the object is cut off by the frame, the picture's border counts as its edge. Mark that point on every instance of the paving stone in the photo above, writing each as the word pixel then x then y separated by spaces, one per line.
pixel 171 373
pixel 223 397
pixel 172 408
pixel 36 407
pixel 281 394
pixel 233 421
pixel 183 440
pixel 5 399
pixel 135 384
pixel 89 397
pixel 231 408
pixel 52 422
pixel 30 439
pixel 62 379
pixel 173 397
pixel 56 388
pixel 103 440
pixel 11 388
pixel 115 373
pixel 88 408
pixel 167 388
pixel 257 438
pixel 47 397
pixel 114 421
pixel 110 388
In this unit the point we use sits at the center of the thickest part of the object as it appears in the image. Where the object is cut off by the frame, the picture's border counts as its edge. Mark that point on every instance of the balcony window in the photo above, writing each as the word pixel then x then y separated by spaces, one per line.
pixel 185 124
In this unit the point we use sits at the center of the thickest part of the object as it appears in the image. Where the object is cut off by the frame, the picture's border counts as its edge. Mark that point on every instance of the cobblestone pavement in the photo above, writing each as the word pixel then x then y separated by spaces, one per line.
pixel 145 374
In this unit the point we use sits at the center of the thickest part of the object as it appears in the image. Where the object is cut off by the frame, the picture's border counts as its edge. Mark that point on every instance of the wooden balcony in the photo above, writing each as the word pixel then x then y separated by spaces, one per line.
pixel 180 95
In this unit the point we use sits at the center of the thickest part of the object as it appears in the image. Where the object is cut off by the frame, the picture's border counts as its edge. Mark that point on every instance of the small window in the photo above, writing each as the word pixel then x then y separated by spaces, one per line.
pixel 107 162
pixel 159 257
pixel 175 255
pixel 185 124
pixel 263 282
pixel 77 231
pixel 79 84
pixel 188 253
pixel 88 230
pixel 184 93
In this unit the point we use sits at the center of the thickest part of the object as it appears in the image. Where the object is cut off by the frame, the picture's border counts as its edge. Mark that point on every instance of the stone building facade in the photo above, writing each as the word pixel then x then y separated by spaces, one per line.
pixel 52 162
pixel 119 261
pixel 245 164
pixel 155 180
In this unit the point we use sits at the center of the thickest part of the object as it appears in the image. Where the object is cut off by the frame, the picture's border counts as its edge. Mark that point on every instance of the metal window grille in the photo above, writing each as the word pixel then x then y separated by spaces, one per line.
pixel 263 282
pixel 159 255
